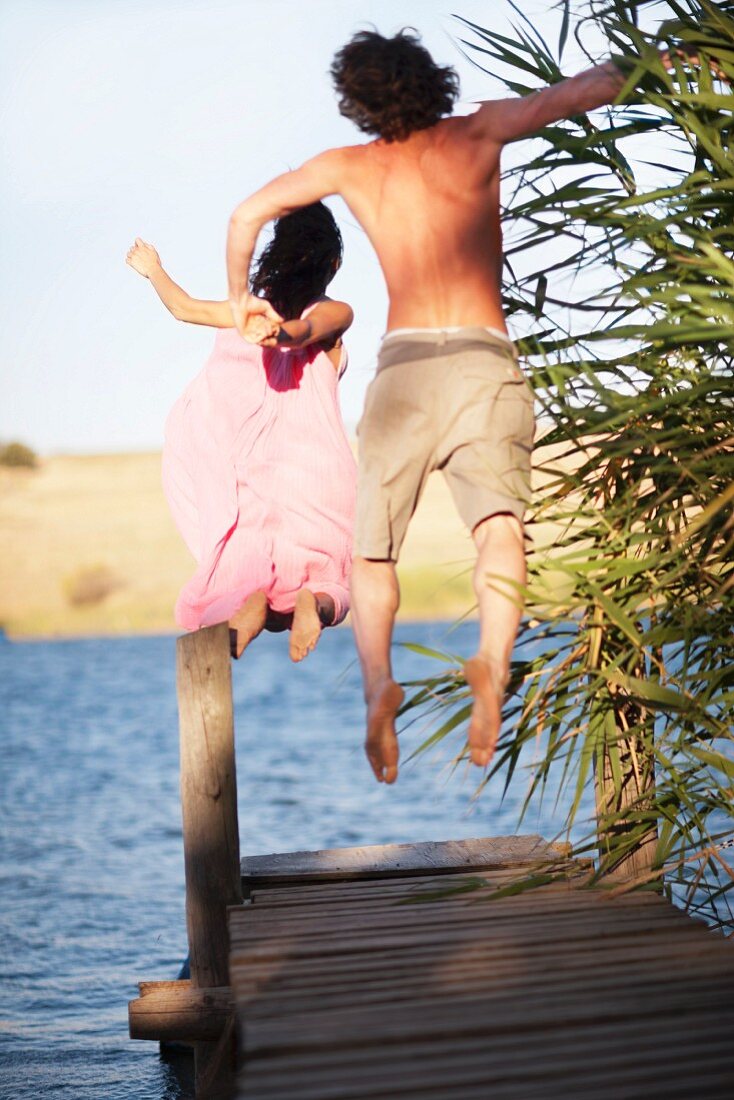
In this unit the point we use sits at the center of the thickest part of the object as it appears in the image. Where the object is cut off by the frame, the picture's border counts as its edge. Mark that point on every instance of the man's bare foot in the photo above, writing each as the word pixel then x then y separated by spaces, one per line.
pixel 306 629
pixel 485 682
pixel 381 745
pixel 246 624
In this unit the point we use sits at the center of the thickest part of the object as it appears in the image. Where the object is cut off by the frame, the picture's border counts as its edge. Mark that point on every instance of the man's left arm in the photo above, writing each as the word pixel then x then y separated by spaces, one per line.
pixel 314 180
pixel 506 120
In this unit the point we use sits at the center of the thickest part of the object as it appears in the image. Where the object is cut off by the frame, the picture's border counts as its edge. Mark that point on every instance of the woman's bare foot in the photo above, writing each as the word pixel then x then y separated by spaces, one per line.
pixel 486 684
pixel 246 624
pixel 381 745
pixel 306 629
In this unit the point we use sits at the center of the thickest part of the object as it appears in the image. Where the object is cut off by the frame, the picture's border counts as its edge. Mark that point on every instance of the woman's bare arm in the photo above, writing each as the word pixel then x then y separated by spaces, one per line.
pixel 144 259
pixel 327 321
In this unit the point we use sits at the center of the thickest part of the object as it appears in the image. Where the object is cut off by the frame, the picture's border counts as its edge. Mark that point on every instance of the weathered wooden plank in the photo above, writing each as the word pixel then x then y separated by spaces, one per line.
pixel 504 959
pixel 480 905
pixel 441 971
pixel 636 1076
pixel 275 993
pixel 683 1088
pixel 271 924
pixel 598 1039
pixel 359 891
pixel 383 860
pixel 337 941
pixel 363 957
pixel 178 1010
pixel 434 1017
pixel 274 1000
pixel 637 1065
pixel 711 1077
pixel 583 908
pixel 540 1008
pixel 606 1046
pixel 425 889
pixel 459 901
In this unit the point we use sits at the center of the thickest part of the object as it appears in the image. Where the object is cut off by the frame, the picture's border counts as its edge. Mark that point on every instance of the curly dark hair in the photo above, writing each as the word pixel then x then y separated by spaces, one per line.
pixel 300 260
pixel 392 86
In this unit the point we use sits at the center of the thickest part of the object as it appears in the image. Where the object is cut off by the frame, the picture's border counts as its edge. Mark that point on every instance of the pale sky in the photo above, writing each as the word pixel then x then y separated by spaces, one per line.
pixel 121 118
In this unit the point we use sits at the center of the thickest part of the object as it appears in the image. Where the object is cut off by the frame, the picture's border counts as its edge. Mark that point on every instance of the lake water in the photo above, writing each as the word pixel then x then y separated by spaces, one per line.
pixel 91 864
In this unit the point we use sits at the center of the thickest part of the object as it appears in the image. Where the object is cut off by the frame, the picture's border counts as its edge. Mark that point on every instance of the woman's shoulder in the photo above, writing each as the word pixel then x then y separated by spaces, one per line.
pixel 332 304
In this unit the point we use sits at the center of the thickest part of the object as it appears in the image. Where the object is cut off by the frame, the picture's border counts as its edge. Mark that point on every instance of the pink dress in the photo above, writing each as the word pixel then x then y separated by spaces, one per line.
pixel 260 479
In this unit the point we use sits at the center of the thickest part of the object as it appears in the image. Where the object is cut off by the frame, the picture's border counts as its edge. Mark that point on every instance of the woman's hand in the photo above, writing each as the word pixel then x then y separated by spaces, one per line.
pixel 262 332
pixel 254 318
pixel 143 258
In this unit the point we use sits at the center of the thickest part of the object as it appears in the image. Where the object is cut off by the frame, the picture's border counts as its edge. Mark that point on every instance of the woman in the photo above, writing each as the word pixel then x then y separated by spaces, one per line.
pixel 257 468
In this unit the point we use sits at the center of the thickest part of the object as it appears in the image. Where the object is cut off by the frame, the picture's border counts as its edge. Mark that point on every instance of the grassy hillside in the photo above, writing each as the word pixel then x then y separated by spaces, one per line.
pixel 87 547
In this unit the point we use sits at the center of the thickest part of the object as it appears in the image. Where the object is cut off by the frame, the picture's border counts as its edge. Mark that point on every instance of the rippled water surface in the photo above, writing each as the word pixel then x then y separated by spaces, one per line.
pixel 91 864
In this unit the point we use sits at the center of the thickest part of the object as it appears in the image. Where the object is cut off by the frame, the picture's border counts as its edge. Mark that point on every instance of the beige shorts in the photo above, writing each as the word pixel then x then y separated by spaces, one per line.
pixel 447 400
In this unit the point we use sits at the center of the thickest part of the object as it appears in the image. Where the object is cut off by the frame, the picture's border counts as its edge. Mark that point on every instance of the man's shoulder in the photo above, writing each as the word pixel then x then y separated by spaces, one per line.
pixel 339 158
pixel 344 153
pixel 473 124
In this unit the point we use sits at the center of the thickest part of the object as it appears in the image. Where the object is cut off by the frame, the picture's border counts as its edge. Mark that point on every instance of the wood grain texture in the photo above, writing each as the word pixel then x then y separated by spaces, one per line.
pixel 384 860
pixel 210 829
pixel 179 1011
pixel 208 798
pixel 348 988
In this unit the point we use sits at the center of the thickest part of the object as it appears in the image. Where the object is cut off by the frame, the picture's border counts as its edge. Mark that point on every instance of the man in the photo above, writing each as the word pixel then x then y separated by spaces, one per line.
pixel 448 393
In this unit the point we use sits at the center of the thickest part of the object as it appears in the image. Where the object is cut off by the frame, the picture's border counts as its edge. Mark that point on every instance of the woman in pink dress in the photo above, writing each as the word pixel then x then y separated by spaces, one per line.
pixel 257 468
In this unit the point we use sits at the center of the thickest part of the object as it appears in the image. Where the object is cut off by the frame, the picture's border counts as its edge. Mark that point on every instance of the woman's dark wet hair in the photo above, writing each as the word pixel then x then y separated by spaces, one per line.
pixel 392 86
pixel 300 260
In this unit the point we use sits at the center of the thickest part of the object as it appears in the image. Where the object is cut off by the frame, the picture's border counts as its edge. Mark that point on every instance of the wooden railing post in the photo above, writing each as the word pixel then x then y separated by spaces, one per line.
pixel 209 807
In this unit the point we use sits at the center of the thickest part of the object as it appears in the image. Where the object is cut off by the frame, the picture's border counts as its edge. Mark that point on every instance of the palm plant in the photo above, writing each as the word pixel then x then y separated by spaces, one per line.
pixel 620 272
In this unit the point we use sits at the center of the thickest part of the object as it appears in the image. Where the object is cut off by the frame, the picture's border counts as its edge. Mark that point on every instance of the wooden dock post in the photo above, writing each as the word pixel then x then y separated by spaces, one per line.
pixel 210 827
pixel 201 1011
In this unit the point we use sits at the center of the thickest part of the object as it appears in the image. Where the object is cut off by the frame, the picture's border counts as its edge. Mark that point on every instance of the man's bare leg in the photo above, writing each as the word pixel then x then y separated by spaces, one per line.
pixel 247 623
pixel 501 558
pixel 312 611
pixel 375 601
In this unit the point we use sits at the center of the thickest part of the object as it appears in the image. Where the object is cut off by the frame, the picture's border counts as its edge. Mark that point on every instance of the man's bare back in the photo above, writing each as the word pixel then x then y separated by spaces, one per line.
pixel 430 207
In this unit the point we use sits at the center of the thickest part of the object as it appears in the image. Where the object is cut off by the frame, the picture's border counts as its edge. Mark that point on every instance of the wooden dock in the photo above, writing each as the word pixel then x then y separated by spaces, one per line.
pixel 344 991
pixel 369 974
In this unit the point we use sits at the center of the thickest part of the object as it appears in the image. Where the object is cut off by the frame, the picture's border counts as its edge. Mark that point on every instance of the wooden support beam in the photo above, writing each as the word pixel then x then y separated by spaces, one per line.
pixel 167 1011
pixel 210 827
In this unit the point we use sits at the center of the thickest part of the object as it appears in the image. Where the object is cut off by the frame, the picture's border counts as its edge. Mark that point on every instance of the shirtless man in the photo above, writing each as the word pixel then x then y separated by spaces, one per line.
pixel 448 392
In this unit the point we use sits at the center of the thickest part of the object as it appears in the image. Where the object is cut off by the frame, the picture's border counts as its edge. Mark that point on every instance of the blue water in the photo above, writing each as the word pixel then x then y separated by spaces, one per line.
pixel 91 864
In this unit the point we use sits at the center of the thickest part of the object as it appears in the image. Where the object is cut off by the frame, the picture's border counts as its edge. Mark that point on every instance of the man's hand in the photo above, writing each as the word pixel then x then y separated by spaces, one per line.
pixel 689 54
pixel 255 319
pixel 143 258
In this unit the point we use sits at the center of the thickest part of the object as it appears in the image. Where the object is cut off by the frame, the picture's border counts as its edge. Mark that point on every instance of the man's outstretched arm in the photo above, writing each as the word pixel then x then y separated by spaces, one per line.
pixel 506 120
pixel 313 181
